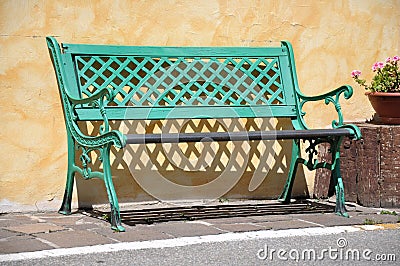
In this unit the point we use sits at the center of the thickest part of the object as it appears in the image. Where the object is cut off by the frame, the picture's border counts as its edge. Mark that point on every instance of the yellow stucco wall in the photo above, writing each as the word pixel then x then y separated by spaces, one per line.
pixel 330 39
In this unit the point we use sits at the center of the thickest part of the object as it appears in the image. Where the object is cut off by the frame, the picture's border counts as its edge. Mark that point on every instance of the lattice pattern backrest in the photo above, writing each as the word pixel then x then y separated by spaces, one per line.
pixel 189 81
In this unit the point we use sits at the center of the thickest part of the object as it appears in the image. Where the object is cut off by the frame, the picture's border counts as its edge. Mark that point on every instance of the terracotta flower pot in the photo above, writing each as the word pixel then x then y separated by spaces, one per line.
pixel 386 105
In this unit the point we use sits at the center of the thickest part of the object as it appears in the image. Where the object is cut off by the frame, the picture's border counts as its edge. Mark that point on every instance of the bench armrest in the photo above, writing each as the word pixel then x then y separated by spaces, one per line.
pixel 331 97
pixel 98 95
pixel 98 100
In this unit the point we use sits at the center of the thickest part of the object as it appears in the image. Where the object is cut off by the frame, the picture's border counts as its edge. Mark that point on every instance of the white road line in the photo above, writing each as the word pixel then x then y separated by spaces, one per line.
pixel 179 242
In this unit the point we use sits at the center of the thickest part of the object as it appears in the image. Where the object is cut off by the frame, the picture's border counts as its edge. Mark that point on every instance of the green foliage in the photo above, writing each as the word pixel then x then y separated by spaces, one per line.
pixel 106 217
pixel 389 212
pixel 223 200
pixel 386 79
pixel 371 222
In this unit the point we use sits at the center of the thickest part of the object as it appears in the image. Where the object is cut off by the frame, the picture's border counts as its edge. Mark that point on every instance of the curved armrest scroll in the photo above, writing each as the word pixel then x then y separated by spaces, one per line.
pixel 330 97
pixel 98 100
pixel 346 90
pixel 98 95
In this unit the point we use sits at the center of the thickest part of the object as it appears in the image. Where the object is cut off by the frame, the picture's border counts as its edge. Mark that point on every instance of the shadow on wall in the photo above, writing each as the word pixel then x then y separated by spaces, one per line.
pixel 188 171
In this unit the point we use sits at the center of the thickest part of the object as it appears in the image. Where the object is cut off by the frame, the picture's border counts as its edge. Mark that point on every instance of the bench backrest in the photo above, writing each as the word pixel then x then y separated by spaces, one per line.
pixel 180 82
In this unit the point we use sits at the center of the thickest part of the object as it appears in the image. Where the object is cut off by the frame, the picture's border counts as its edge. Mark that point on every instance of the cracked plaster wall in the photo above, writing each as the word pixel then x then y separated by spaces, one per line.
pixel 330 39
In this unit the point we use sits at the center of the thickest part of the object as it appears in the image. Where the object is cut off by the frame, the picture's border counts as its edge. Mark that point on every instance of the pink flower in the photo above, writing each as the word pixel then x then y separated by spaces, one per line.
pixel 355 73
pixel 378 65
pixel 396 58
pixel 388 59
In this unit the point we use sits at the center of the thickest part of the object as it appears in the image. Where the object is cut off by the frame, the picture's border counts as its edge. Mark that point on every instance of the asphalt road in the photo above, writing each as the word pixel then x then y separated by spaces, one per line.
pixel 378 247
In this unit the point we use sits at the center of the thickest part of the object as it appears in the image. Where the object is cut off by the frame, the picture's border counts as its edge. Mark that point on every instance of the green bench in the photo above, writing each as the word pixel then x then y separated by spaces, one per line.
pixel 109 82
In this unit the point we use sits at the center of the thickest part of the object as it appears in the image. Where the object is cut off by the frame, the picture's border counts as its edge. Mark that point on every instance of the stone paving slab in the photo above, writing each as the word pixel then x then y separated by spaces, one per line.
pixel 335 220
pixel 239 227
pixel 279 225
pixel 63 220
pixel 232 220
pixel 35 228
pixel 6 234
pixel 134 233
pixel 181 229
pixel 89 227
pixel 22 244
pixel 15 220
pixel 67 239
pixel 378 218
pixel 272 218
pixel 330 219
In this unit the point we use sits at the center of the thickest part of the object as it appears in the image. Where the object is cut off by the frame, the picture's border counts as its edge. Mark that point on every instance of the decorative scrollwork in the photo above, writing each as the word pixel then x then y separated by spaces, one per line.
pixel 330 97
pixel 312 150
pixel 312 163
pixel 85 159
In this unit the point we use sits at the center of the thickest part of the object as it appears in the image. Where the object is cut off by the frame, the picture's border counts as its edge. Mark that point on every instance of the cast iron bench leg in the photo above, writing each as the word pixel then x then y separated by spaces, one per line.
pixel 112 196
pixel 66 204
pixel 338 182
pixel 287 190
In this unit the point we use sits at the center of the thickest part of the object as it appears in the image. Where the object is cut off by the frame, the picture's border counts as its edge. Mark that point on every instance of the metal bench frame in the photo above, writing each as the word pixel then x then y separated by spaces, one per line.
pixel 102 82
